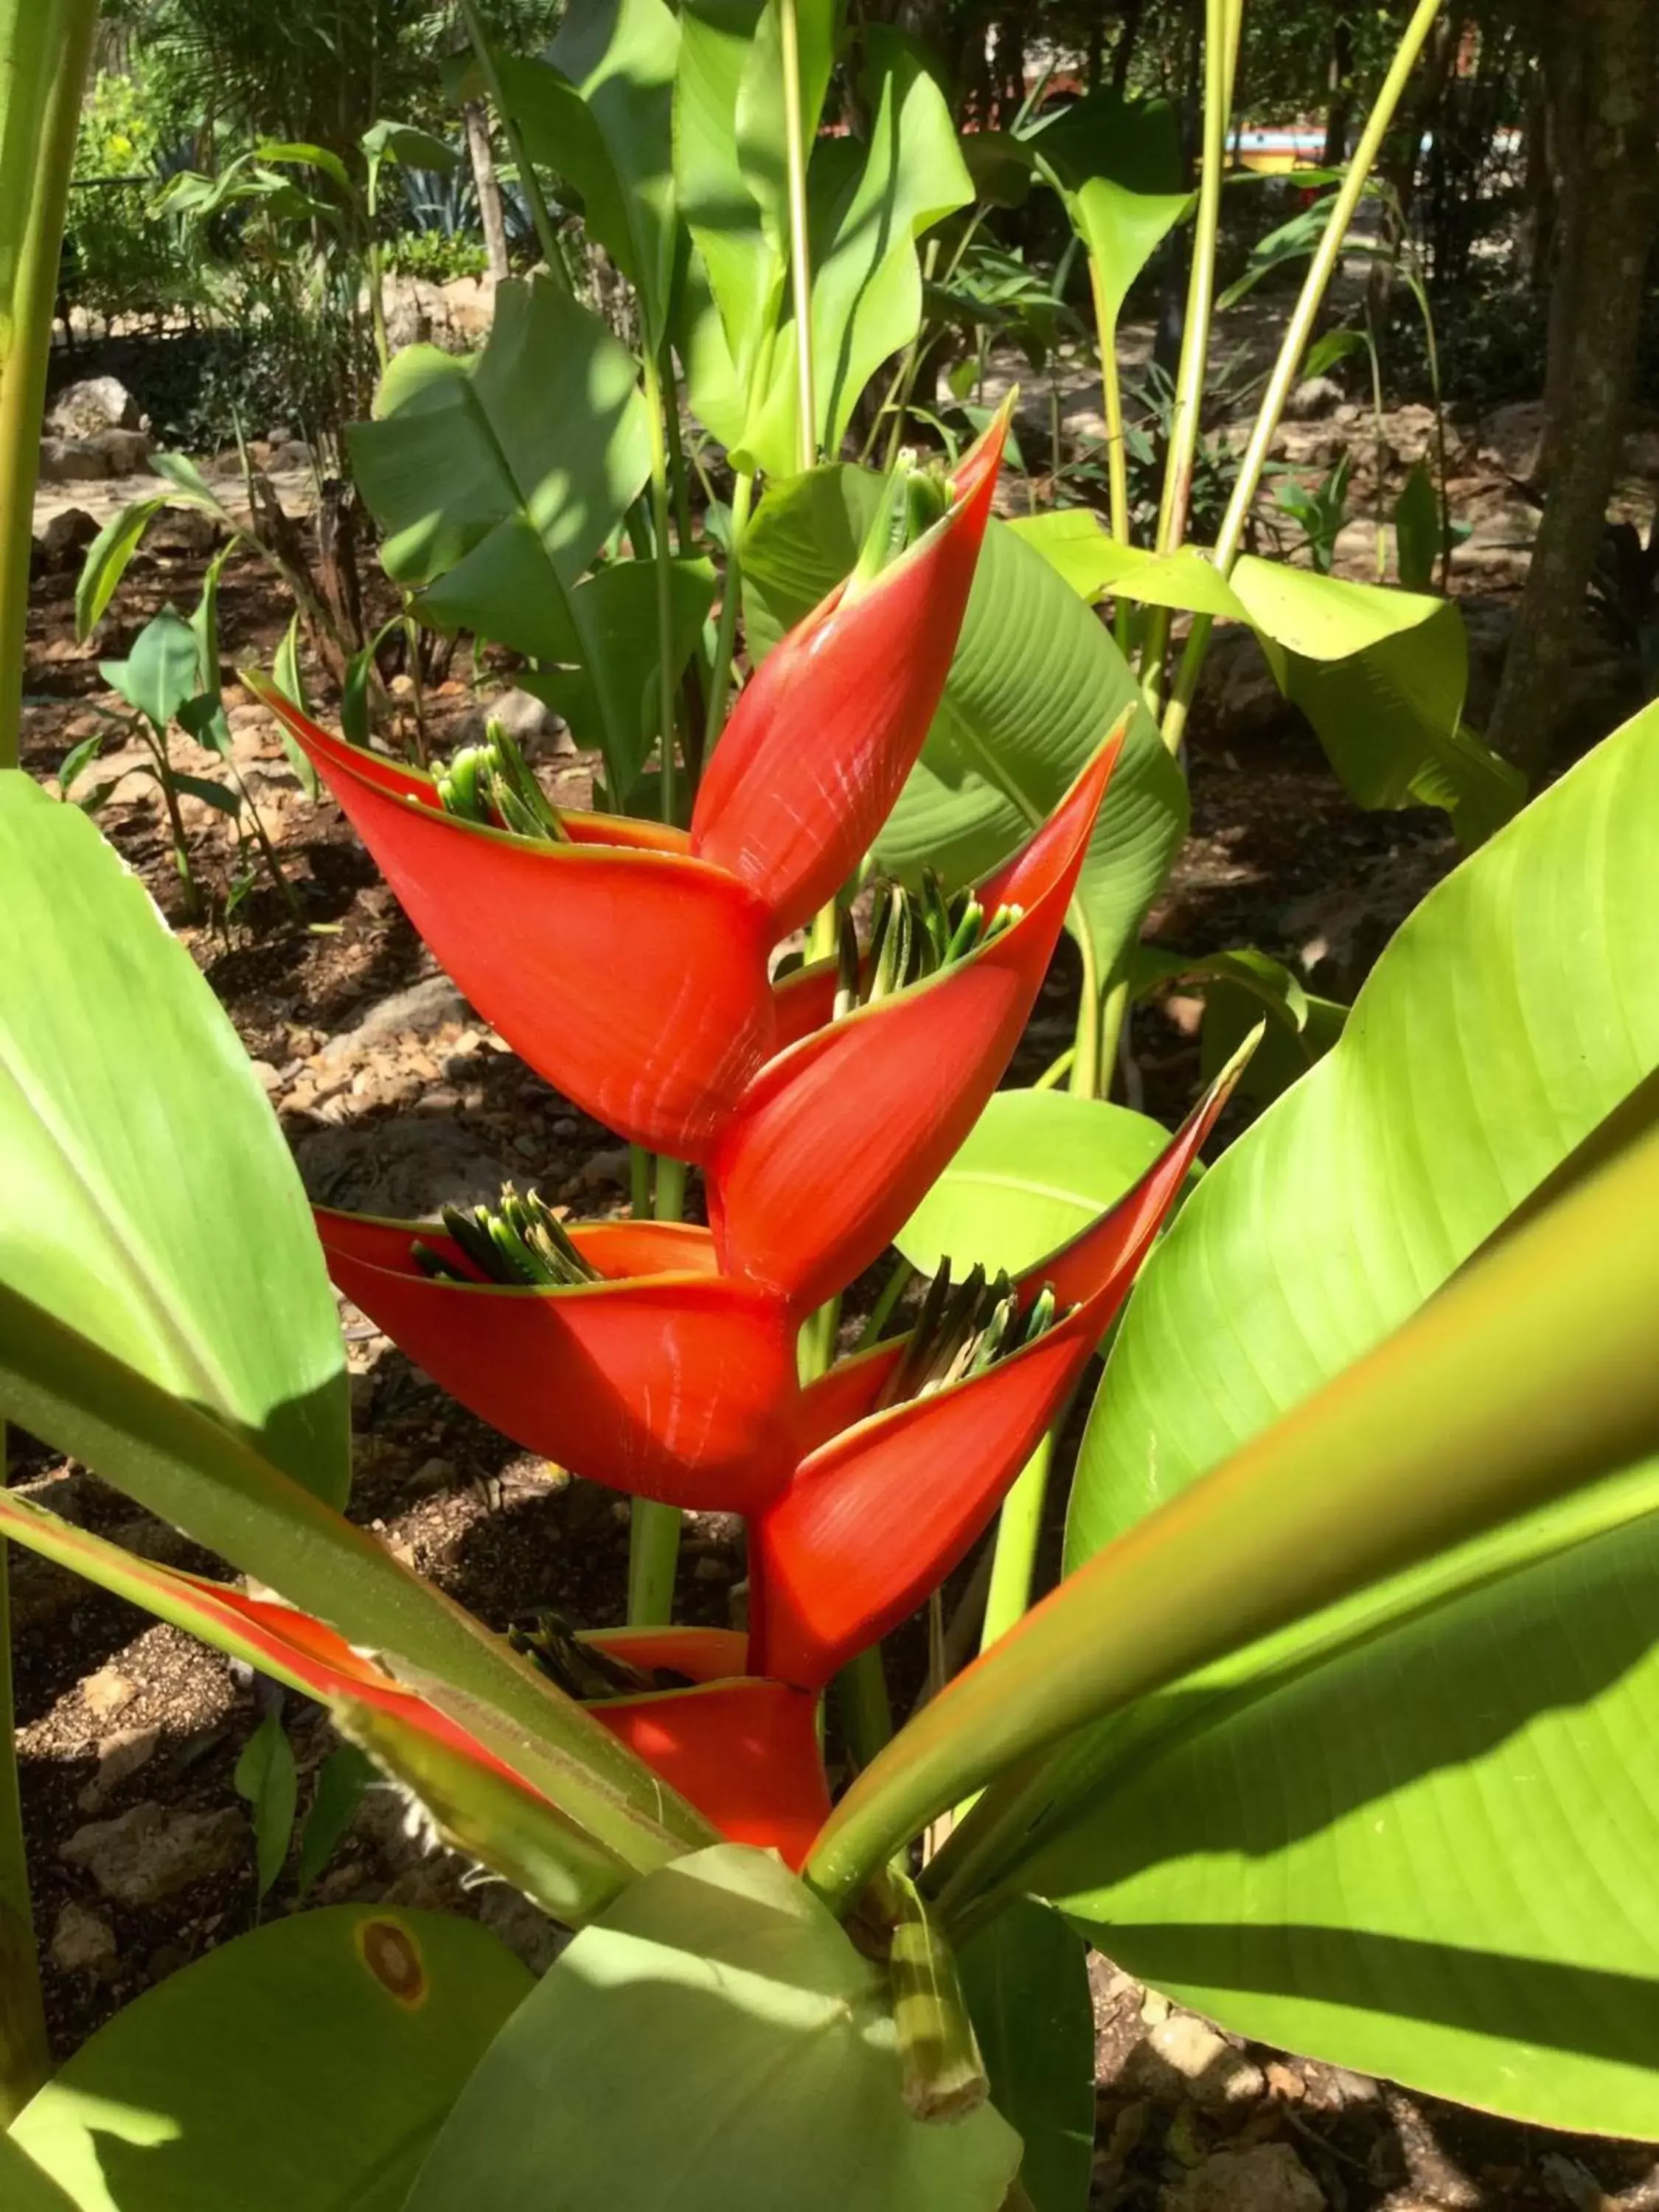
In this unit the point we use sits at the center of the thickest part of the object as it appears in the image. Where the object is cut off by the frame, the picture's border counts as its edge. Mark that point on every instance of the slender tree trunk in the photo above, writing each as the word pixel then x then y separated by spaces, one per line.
pixel 1341 87
pixel 489 190
pixel 1602 61
pixel 1124 46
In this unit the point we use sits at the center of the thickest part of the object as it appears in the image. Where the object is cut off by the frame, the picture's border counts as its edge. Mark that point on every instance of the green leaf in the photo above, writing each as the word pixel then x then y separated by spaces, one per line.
pixel 1116 164
pixel 1380 674
pixel 152 1202
pixel 1036 685
pixel 404 142
pixel 1505 1700
pixel 869 206
pixel 214 730
pixel 1026 1979
pixel 503 477
pixel 1037 1167
pixel 1417 529
pixel 1508 1016
pixel 107 560
pixel 303 154
pixel 614 689
pixel 599 112
pixel 310 2062
pixel 265 1776
pixel 23 2186
pixel 1076 543
pixel 718 2033
pixel 731 175
pixel 346 1774
pixel 286 675
pixel 217 796
pixel 163 671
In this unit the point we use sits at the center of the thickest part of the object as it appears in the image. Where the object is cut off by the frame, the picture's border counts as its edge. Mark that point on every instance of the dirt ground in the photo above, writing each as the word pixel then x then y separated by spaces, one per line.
pixel 396 1098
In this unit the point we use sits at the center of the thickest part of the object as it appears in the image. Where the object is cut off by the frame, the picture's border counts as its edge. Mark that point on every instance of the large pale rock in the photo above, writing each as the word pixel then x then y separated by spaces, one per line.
pixel 127 451
pixel 1184 2055
pixel 96 403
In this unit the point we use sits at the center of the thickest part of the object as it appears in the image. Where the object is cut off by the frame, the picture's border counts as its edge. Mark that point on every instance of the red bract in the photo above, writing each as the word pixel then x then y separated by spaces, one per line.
pixel 881 1511
pixel 833 1145
pixel 628 966
pixel 671 1382
pixel 743 1751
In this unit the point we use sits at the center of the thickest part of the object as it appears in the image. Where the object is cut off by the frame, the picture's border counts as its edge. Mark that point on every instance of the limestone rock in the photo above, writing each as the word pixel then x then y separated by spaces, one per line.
pixel 73 460
pixel 423 1007
pixel 127 451
pixel 81 1943
pixel 107 1691
pixel 1184 2055
pixel 96 403
pixel 151 1852
pixel 1315 396
pixel 1266 2178
pixel 120 1756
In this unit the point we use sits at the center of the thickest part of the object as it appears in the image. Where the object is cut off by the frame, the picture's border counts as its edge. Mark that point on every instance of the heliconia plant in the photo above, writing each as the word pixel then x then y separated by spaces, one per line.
pixel 663 1790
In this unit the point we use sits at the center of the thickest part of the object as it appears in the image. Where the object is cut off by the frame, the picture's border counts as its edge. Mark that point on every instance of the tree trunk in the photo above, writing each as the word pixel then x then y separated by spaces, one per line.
pixel 1601 64
pixel 1341 87
pixel 1124 46
pixel 489 190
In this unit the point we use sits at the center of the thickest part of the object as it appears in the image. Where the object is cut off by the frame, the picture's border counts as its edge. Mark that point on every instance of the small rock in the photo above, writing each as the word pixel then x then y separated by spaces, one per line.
pixel 1266 2178
pixel 120 1756
pixel 1286 2083
pixel 531 724
pixel 183 530
pixel 271 1078
pixel 96 403
pixel 72 460
pixel 81 1943
pixel 711 1570
pixel 1184 2055
pixel 150 1853
pixel 127 451
pixel 66 536
pixel 107 1691
pixel 423 1007
pixel 431 1476
pixel 1315 396
pixel 607 1167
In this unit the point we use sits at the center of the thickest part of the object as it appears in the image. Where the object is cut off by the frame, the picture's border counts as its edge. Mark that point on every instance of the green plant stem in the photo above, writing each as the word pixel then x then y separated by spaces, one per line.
pixel 863 1706
pixel 664 557
pixel 1111 393
pixel 1089 1062
pixel 546 236
pixel 1014 1561
pixel 910 366
pixel 24 2060
pixel 653 1530
pixel 800 262
pixel 45 46
pixel 1298 332
pixel 1221 25
pixel 726 635
pixel 882 1312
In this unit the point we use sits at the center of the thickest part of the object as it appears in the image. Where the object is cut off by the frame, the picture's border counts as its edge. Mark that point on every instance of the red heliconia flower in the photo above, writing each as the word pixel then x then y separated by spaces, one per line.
pixel 668 1380
pixel 629 965
pixel 887 1502
pixel 674 1379
pixel 743 1751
